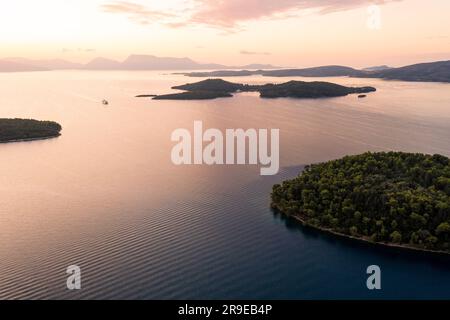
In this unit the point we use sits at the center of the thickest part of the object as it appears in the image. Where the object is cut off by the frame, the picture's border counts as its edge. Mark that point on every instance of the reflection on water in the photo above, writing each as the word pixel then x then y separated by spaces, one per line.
pixel 106 196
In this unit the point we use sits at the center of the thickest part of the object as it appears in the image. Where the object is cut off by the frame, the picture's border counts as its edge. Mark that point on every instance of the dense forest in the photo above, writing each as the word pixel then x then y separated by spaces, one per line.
pixel 315 89
pixel 218 88
pixel 392 197
pixel 194 95
pixel 24 129
pixel 212 85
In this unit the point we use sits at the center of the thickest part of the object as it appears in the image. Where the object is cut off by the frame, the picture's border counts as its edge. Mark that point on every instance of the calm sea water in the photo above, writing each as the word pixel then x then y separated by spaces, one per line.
pixel 105 195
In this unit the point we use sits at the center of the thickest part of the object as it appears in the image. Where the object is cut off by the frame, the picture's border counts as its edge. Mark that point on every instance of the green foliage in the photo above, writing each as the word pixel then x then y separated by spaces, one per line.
pixel 396 197
pixel 20 129
pixel 194 95
pixel 315 89
pixel 211 85
pixel 444 227
pixel 217 88
pixel 396 237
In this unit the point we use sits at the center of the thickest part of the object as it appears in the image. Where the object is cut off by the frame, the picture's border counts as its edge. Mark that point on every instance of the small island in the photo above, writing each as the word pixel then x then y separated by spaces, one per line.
pixel 218 88
pixel 146 96
pixel 194 95
pixel 14 130
pixel 315 89
pixel 390 198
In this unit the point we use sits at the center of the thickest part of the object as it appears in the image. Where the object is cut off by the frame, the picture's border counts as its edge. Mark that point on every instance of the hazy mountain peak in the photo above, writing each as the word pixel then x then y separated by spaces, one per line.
pixel 150 62
pixel 46 64
pixel 11 66
pixel 377 68
pixel 101 63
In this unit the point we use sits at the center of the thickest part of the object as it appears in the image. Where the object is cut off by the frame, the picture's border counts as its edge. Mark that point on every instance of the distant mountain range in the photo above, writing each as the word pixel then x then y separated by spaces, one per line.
pixel 11 66
pixel 133 62
pixel 431 72
pixel 51 64
pixel 377 68
pixel 324 71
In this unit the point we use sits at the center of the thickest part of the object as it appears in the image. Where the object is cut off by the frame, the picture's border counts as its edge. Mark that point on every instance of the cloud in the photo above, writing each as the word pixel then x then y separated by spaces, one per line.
pixel 67 50
pixel 254 53
pixel 138 13
pixel 231 12
pixel 227 15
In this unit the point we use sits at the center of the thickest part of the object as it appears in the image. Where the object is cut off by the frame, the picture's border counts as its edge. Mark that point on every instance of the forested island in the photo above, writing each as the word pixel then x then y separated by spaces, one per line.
pixel 315 89
pixel 146 95
pixel 218 88
pixel 12 130
pixel 391 198
pixel 438 71
pixel 194 95
pixel 323 71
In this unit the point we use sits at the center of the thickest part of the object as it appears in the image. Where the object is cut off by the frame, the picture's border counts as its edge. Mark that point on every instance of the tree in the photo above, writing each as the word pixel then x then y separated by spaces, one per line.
pixel 396 237
pixel 444 227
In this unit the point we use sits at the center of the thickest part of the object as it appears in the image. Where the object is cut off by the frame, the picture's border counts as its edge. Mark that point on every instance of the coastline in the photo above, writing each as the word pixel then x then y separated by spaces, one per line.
pixel 364 240
pixel 31 139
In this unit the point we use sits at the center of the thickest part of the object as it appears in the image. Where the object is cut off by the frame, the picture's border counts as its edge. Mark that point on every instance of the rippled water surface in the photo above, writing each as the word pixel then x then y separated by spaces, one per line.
pixel 105 195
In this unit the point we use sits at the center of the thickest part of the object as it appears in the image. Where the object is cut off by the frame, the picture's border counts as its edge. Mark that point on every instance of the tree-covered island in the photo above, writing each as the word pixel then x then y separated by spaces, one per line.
pixel 392 198
pixel 27 129
pixel 218 88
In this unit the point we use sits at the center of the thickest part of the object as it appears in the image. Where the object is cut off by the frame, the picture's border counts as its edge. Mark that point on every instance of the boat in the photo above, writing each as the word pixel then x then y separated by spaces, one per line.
pixel 105 102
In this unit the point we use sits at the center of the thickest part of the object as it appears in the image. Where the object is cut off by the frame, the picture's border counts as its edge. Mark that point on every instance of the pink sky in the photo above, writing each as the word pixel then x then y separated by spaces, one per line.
pixel 282 32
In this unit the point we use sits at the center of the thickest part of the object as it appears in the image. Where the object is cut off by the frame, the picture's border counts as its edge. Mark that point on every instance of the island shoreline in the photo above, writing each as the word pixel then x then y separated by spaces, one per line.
pixel 328 231
pixel 30 139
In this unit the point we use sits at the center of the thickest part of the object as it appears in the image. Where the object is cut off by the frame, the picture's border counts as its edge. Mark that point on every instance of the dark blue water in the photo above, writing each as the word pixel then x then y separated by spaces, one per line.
pixel 106 197
pixel 228 244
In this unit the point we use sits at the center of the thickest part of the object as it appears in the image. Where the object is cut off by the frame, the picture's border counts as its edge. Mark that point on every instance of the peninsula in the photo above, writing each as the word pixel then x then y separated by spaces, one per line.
pixel 323 71
pixel 218 88
pixel 438 71
pixel 390 198
pixel 14 130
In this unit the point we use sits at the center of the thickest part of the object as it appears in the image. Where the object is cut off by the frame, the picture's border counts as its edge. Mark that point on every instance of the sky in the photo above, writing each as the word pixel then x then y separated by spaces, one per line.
pixel 289 33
